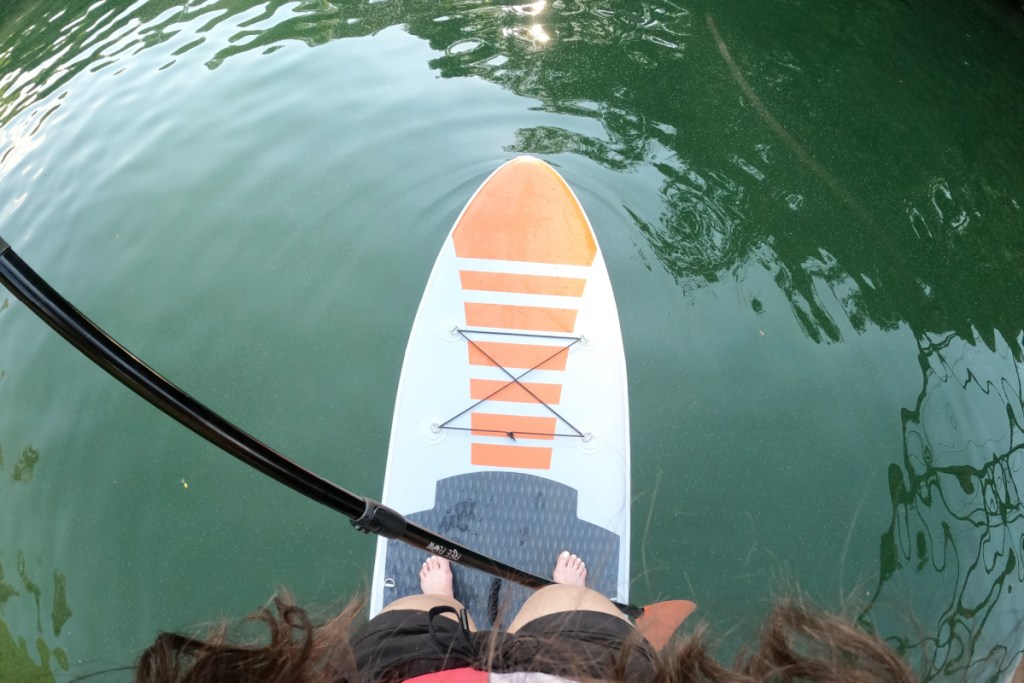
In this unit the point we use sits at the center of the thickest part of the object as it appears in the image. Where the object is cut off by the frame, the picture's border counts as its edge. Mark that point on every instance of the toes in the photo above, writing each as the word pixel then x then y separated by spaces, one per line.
pixel 432 564
pixel 570 561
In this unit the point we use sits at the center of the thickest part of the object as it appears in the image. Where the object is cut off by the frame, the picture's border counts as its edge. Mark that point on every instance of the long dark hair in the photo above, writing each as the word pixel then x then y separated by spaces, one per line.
pixel 292 651
pixel 797 643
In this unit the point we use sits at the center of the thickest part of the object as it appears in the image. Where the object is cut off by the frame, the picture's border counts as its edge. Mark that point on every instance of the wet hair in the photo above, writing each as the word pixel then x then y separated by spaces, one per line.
pixel 796 643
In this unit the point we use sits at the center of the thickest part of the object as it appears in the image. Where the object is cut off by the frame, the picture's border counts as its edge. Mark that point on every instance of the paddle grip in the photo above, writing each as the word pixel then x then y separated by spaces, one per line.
pixel 381 520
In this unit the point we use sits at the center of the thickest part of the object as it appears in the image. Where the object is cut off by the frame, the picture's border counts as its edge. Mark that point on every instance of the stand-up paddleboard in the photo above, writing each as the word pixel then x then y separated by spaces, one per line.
pixel 511 425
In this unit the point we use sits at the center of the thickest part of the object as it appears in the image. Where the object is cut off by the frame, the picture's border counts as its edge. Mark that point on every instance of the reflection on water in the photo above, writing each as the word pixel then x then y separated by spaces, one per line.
pixel 26 465
pixel 866 159
pixel 958 523
pixel 19 662
pixel 6 589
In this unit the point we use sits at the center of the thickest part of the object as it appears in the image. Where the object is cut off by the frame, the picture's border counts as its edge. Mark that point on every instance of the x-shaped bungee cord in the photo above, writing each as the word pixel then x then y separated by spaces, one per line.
pixel 514 380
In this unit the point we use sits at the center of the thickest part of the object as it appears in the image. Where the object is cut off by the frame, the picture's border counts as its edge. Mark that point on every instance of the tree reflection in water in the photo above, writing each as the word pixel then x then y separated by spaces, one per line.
pixel 958 525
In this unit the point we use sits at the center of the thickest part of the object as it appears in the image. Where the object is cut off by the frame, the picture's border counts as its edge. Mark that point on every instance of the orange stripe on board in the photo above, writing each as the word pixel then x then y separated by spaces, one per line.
pixel 525 212
pixel 511 392
pixel 532 318
pixel 522 426
pixel 523 356
pixel 495 455
pixel 522 284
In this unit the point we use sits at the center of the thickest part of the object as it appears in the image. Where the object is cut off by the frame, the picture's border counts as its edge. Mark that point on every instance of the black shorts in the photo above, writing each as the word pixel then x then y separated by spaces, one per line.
pixel 403 644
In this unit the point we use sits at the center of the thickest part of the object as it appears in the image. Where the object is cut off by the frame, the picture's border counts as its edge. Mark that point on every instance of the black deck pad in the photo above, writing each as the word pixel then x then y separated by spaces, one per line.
pixel 520 519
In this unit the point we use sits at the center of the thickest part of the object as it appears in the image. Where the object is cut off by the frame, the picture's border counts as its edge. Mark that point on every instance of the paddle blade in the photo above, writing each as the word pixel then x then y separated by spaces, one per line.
pixel 660 620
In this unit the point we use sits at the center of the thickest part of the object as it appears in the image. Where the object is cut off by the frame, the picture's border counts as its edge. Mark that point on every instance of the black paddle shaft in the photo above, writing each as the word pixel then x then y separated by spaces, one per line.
pixel 366 514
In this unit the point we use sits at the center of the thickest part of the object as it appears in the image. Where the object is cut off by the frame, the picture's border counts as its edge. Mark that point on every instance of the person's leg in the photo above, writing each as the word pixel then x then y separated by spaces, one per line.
pixel 405 640
pixel 568 594
pixel 436 584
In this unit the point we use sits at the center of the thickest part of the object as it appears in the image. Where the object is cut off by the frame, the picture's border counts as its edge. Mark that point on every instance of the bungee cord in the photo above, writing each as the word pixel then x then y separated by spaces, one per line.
pixel 514 380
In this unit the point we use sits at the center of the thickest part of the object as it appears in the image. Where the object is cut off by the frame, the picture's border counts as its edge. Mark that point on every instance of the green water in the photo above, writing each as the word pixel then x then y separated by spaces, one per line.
pixel 813 216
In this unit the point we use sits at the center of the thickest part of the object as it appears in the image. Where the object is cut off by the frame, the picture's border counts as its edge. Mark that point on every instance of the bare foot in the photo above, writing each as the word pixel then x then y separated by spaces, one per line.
pixel 569 570
pixel 436 577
